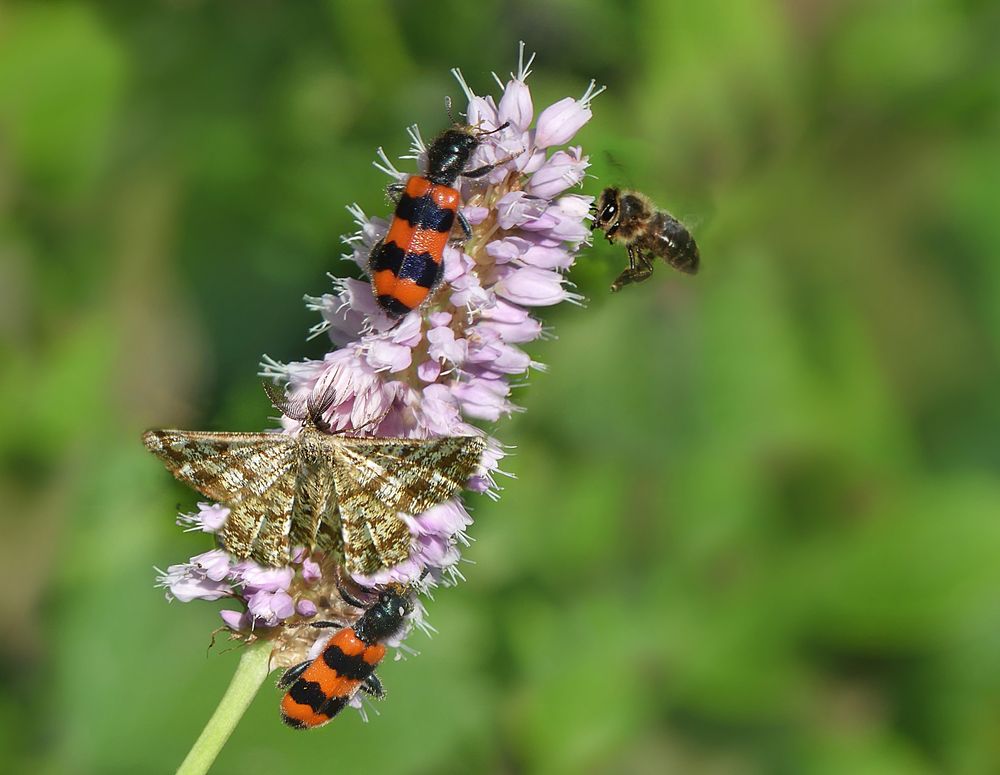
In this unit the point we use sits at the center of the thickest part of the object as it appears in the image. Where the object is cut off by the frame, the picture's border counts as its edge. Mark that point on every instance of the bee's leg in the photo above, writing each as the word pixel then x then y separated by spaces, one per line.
pixel 643 268
pixel 373 686
pixel 622 280
pixel 628 275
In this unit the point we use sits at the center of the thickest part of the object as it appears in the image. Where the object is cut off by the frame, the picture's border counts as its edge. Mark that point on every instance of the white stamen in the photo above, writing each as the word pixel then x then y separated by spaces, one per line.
pixel 523 70
pixel 589 95
pixel 273 369
pixel 470 95
pixel 417 145
pixel 360 219
pixel 383 164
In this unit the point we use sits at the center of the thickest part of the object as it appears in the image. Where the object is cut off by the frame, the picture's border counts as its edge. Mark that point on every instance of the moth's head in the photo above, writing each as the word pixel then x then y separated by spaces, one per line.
pixel 309 413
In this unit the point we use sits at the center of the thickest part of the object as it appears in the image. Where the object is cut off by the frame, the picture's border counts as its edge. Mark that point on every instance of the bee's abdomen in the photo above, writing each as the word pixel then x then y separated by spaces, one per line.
pixel 674 243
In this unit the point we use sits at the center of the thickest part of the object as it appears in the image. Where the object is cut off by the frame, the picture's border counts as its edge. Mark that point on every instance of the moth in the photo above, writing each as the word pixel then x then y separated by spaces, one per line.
pixel 330 492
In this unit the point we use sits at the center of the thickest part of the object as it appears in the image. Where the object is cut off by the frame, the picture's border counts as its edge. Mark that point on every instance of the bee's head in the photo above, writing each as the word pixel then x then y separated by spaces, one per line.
pixel 607 210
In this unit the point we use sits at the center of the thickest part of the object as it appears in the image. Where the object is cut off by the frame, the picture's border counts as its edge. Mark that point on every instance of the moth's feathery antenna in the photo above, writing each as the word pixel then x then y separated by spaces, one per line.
pixel 279 400
pixel 315 406
pixel 310 411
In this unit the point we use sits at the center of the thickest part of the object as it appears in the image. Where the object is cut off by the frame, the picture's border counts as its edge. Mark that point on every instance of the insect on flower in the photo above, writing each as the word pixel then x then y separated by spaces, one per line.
pixel 407 265
pixel 315 489
pixel 318 689
pixel 630 218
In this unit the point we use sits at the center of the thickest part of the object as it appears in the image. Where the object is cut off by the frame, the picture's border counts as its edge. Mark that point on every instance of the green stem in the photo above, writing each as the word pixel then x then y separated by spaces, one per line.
pixel 250 674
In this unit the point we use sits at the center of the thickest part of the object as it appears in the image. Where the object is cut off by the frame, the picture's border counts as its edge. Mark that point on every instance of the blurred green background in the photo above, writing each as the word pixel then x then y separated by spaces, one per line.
pixel 755 528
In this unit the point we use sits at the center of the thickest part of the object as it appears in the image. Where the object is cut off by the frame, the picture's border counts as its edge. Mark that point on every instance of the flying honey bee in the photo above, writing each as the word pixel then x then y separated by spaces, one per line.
pixel 630 218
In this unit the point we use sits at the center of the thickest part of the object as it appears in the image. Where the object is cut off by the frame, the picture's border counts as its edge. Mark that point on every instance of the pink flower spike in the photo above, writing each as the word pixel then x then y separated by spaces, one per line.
pixel 386 356
pixel 306 608
pixel 547 257
pixel 345 314
pixel 481 110
pixel 234 620
pixel 567 227
pixel 517 208
pixel 563 170
pixel 448 519
pixel 429 371
pixel 503 251
pixel 533 287
pixel 484 399
pixel 443 346
pixel 515 104
pixel 559 122
pixel 438 319
pixel 311 571
pixel 432 550
pixel 186 582
pixel 525 330
pixel 269 608
pixel 575 206
pixel 209 519
pixel 475 215
pixel 213 565
pixel 258 578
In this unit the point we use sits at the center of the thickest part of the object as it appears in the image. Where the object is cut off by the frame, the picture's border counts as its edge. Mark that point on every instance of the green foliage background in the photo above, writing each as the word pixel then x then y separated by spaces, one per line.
pixel 755 526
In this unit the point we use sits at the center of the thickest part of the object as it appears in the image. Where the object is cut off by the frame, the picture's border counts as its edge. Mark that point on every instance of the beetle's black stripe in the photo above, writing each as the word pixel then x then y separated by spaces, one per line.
pixel 392 305
pixel 387 255
pixel 421 268
pixel 348 666
pixel 333 706
pixel 424 213
pixel 308 693
pixel 294 723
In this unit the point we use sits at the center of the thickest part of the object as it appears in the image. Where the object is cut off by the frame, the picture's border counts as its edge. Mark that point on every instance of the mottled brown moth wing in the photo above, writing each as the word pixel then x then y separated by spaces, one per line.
pixel 253 474
pixel 361 555
pixel 377 478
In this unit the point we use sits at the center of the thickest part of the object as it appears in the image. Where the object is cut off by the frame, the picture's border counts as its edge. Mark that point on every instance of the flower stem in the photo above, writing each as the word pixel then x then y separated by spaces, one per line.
pixel 249 675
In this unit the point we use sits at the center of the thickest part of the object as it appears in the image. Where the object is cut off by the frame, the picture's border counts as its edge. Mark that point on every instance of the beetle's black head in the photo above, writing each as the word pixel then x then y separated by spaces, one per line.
pixel 449 154
pixel 607 211
pixel 383 618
